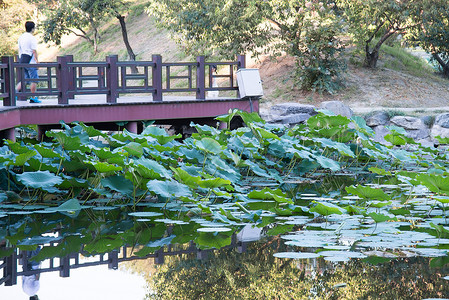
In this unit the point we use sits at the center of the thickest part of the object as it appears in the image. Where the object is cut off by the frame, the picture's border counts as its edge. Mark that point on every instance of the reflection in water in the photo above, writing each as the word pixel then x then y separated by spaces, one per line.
pixel 193 271
pixel 30 283
pixel 257 274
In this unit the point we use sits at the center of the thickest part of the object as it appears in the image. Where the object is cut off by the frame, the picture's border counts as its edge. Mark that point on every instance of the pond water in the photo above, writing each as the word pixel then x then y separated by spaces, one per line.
pixel 118 254
pixel 317 211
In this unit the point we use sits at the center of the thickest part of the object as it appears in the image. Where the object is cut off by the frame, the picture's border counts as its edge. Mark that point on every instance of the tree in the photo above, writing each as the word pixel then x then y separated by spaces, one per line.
pixel 433 34
pixel 116 8
pixel 229 27
pixel 13 15
pixel 79 17
pixel 373 22
pixel 85 22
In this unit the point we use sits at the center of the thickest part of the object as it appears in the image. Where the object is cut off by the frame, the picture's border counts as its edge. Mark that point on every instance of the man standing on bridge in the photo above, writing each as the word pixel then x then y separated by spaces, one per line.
pixel 28 54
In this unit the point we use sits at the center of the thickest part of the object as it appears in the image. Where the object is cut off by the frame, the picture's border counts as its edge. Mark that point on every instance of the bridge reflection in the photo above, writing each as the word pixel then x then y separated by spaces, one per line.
pixel 63 265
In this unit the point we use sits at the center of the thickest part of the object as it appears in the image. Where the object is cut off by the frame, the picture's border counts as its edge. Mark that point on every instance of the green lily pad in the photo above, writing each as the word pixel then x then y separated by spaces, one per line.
pixel 296 255
pixel 39 179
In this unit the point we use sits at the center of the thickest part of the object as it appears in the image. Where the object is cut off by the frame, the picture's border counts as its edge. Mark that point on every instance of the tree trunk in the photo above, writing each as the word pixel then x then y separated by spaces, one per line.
pixel 131 54
pixel 444 65
pixel 371 57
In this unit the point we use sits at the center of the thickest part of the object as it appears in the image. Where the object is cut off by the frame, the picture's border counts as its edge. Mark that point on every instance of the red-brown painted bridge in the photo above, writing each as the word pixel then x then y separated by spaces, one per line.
pixel 104 93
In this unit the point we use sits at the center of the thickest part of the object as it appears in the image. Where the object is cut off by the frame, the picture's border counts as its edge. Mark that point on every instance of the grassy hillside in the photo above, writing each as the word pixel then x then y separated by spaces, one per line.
pixel 401 79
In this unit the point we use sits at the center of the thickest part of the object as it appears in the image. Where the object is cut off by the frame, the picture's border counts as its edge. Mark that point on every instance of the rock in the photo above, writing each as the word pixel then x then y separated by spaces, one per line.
pixel 265 114
pixel 285 109
pixel 379 134
pixel 410 123
pixel 418 134
pixel 294 119
pixel 290 113
pixel 378 118
pixel 442 120
pixel 438 130
pixel 426 143
pixel 338 108
pixel 428 121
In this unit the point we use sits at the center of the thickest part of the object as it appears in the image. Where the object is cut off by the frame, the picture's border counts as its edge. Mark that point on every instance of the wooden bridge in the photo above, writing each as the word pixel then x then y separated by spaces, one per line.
pixel 104 93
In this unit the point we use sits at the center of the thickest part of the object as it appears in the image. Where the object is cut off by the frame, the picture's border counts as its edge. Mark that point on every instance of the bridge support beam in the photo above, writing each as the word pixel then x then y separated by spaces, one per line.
pixel 131 127
pixel 10 134
pixel 40 132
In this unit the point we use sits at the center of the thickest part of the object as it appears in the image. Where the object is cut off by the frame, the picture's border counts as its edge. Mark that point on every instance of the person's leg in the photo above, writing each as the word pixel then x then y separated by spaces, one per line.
pixel 18 87
pixel 33 87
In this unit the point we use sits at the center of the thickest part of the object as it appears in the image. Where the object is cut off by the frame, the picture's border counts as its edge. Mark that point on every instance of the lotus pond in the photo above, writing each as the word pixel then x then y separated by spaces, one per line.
pixel 336 214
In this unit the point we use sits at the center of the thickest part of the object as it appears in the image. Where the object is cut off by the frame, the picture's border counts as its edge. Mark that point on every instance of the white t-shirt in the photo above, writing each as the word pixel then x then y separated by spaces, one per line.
pixel 27 43
pixel 30 285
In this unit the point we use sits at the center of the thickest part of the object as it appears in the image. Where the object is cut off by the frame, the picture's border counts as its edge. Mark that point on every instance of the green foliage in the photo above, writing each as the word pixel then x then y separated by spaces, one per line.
pixel 304 29
pixel 318 50
pixel 433 34
pixel 371 23
pixel 210 185
pixel 256 274
pixel 79 17
pixel 84 19
pixel 403 60
pixel 13 15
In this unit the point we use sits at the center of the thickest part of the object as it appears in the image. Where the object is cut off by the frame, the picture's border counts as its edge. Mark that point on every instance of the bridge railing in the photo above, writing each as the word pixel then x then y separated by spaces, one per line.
pixel 66 78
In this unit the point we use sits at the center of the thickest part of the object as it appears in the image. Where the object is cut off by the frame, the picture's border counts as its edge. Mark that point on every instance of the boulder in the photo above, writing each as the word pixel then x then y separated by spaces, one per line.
pixel 285 109
pixel 290 113
pixel 408 123
pixel 418 134
pixel 428 121
pixel 377 119
pixel 338 108
pixel 442 120
pixel 426 143
pixel 379 134
pixel 438 130
pixel 293 119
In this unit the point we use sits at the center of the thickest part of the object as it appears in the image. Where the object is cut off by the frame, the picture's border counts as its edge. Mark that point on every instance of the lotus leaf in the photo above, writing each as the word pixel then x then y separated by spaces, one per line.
pixel 169 189
pixel 22 158
pixel 327 209
pixel 367 192
pixel 119 184
pixel 103 167
pixel 152 169
pixel 296 255
pixel 209 145
pixel 435 183
pixel 46 152
pixel 39 179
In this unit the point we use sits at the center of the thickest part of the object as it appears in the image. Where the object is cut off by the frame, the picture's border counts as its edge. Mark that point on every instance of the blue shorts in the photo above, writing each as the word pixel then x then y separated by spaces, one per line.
pixel 31 73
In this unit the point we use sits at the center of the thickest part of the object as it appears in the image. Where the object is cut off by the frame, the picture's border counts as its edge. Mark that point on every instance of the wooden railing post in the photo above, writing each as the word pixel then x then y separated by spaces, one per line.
pixel 241 62
pixel 112 78
pixel 62 75
pixel 157 77
pixel 10 88
pixel 20 77
pixel 113 260
pixel 71 75
pixel 10 269
pixel 201 78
